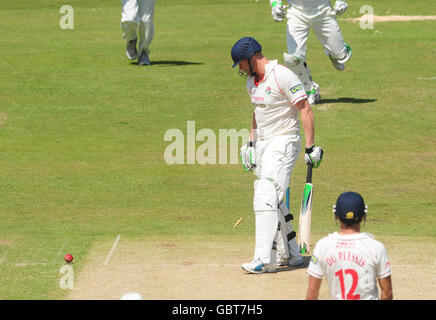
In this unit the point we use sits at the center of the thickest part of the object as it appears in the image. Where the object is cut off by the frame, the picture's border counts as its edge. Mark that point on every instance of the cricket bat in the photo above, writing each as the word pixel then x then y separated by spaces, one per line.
pixel 306 214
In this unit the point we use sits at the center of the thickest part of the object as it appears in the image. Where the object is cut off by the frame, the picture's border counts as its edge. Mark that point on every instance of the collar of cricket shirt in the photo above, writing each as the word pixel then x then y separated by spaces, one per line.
pixel 268 68
pixel 353 236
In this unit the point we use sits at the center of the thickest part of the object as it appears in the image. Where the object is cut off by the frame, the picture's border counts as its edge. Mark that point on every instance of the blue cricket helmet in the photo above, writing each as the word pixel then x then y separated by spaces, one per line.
pixel 244 48
pixel 350 207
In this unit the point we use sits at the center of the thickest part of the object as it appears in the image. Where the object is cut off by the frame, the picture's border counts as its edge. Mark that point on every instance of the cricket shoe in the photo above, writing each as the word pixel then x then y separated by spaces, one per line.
pixel 313 96
pixel 291 262
pixel 131 52
pixel 143 59
pixel 256 266
pixel 339 64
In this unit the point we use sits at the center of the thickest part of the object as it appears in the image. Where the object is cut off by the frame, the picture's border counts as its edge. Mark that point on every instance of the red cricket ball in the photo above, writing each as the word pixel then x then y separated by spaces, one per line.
pixel 68 258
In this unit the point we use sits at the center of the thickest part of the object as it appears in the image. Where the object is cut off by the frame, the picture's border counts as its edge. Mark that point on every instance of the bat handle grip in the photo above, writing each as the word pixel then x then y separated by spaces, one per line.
pixel 309 173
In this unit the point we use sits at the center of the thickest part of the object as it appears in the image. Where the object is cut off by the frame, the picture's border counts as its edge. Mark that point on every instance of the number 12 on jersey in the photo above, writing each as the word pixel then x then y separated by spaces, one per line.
pixel 341 275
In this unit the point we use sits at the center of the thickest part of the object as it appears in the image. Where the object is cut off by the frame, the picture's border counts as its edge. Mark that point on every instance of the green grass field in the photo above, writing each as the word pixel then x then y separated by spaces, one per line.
pixel 82 129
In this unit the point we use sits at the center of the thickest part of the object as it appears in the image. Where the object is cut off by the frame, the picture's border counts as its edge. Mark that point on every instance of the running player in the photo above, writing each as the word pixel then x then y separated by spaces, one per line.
pixel 273 148
pixel 350 260
pixel 321 16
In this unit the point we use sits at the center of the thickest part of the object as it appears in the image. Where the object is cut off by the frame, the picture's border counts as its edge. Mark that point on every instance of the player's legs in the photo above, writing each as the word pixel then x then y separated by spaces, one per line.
pixel 276 158
pixel 329 33
pixel 265 203
pixel 129 24
pixel 287 246
pixel 129 19
pixel 280 173
pixel 313 96
pixel 146 27
pixel 266 219
pixel 297 33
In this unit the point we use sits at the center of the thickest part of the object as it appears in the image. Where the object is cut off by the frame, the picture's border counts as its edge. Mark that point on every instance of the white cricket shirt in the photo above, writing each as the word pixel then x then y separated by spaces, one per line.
pixel 308 4
pixel 274 97
pixel 352 264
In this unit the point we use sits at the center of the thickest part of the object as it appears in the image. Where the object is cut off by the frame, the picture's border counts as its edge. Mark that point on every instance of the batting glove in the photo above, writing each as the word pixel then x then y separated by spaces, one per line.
pixel 314 156
pixel 340 7
pixel 247 156
pixel 277 11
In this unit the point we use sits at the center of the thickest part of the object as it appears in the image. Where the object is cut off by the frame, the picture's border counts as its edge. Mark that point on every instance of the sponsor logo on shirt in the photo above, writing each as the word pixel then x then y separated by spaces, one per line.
pixel 268 91
pixel 258 98
pixel 296 88
pixel 257 105
pixel 257 101
pixel 314 259
pixel 345 245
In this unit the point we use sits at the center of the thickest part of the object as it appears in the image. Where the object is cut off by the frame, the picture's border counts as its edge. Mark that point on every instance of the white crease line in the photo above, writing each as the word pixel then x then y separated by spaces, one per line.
pixel 432 78
pixel 112 250
pixel 31 264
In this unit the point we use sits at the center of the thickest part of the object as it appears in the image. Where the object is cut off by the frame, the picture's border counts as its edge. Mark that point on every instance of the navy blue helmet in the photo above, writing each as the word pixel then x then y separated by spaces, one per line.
pixel 350 208
pixel 244 48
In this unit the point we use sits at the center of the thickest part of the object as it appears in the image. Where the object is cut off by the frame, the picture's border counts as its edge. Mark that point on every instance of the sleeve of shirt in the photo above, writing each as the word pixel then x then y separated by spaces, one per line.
pixel 290 85
pixel 383 265
pixel 315 269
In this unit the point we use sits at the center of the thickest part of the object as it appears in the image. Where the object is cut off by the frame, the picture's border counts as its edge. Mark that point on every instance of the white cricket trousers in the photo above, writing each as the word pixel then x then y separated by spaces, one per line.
pixel 275 159
pixel 326 28
pixel 137 22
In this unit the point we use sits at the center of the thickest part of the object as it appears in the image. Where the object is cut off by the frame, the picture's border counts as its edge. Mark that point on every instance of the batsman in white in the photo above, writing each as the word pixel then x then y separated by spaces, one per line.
pixel 321 16
pixel 137 22
pixel 272 150
pixel 351 261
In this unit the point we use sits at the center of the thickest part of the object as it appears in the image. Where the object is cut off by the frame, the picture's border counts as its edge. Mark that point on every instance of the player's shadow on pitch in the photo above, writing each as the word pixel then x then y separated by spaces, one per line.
pixel 304 265
pixel 171 63
pixel 347 100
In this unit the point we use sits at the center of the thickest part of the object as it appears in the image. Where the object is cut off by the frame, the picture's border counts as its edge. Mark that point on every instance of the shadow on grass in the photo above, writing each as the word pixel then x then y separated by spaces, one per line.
pixel 347 100
pixel 171 63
